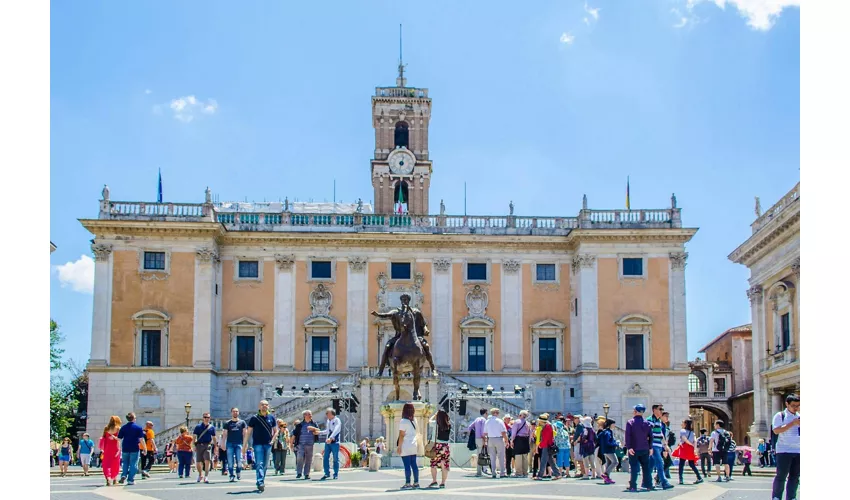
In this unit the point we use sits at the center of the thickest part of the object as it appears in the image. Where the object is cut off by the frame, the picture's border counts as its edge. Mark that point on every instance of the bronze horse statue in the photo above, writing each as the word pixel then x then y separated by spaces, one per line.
pixel 407 352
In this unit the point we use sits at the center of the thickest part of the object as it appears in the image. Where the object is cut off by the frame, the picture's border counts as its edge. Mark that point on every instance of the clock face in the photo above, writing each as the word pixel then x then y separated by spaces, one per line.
pixel 401 162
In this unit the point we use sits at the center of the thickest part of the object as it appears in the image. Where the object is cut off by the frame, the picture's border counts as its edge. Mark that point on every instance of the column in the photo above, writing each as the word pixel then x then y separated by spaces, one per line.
pixel 206 262
pixel 357 315
pixel 777 405
pixel 441 312
pixel 512 345
pixel 584 271
pixel 102 310
pixel 284 313
pixel 678 320
pixel 759 427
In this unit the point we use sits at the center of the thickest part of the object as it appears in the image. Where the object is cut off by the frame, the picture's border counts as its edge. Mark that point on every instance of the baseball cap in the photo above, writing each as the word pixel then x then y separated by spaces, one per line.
pixel 640 408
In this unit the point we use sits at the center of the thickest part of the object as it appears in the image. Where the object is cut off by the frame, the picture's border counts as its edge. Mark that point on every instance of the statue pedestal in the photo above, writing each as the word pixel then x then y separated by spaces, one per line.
pixel 392 416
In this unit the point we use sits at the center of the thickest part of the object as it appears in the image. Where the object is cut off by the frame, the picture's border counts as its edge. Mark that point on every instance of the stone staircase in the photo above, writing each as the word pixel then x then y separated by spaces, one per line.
pixel 287 410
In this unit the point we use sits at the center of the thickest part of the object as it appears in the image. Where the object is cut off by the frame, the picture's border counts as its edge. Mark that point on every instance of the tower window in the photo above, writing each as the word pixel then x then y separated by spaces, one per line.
pixel 402 135
pixel 401 197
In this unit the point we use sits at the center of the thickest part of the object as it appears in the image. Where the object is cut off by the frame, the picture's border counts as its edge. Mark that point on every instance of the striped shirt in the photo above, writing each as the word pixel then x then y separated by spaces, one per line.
pixel 657 432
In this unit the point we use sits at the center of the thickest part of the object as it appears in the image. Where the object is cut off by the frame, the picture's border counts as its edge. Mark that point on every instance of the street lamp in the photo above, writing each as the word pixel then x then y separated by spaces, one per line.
pixel 606 408
pixel 188 408
pixel 489 389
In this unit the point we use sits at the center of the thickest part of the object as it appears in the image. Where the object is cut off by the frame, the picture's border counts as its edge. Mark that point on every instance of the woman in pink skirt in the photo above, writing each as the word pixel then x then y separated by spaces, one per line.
pixel 110 446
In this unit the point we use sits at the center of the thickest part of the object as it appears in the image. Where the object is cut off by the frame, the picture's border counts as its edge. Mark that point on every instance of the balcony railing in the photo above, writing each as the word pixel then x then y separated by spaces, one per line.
pixel 698 394
pixel 707 395
pixel 437 224
pixel 778 359
pixel 401 92
pixel 719 394
pixel 772 212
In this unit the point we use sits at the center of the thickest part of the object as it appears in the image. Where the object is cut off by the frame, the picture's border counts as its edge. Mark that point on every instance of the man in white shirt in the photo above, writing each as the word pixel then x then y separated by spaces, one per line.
pixel 334 426
pixel 496 439
pixel 786 426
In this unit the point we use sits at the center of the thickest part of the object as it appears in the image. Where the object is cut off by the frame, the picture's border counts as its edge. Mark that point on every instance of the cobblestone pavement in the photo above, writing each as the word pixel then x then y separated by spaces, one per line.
pixel 385 485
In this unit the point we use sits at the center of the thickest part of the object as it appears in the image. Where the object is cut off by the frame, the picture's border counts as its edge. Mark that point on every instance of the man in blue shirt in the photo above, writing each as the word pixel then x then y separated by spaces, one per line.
pixel 263 427
pixel 84 450
pixel 234 434
pixel 132 438
pixel 204 439
pixel 639 448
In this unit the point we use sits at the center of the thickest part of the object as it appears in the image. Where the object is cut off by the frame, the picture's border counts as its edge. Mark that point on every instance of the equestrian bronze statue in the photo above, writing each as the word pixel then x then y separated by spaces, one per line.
pixel 408 351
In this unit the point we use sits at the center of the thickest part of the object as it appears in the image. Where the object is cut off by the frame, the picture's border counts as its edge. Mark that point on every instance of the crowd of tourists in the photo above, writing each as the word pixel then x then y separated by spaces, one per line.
pixel 544 448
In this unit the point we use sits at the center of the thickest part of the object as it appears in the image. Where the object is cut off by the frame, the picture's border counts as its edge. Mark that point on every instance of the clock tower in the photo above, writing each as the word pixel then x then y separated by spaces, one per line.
pixel 401 167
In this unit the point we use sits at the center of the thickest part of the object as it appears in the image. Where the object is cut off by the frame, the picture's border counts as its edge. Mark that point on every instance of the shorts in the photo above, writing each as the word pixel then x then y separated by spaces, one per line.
pixel 85 458
pixel 64 458
pixel 718 457
pixel 202 452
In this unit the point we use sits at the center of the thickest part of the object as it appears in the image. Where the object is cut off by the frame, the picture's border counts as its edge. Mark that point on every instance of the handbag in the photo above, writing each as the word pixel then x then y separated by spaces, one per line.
pixel 521 443
pixel 483 458
pixel 470 443
pixel 431 450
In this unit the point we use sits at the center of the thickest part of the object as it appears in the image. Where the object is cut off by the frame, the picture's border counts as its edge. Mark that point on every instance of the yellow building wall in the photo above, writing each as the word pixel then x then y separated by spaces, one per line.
pixel 174 296
pixel 785 275
pixel 251 299
pixel 648 297
pixel 539 303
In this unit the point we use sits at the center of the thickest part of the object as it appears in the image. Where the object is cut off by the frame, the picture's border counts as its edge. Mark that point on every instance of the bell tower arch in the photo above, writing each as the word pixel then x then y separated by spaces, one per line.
pixel 401 167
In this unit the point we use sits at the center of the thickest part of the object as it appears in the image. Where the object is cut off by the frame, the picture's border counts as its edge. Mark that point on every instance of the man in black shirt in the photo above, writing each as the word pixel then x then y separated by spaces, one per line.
pixel 234 434
pixel 263 427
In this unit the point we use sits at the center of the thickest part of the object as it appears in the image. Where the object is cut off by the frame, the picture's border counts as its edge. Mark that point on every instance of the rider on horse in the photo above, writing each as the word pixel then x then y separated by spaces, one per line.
pixel 419 326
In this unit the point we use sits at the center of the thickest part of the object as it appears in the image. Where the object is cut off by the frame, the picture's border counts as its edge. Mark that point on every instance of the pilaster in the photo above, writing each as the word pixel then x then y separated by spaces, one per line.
pixel 284 312
pixel 102 309
pixel 357 315
pixel 585 272
pixel 206 264
pixel 441 328
pixel 511 331
pixel 678 320
pixel 759 426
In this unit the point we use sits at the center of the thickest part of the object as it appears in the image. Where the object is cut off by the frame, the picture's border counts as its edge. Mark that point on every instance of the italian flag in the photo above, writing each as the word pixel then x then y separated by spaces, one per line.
pixel 400 203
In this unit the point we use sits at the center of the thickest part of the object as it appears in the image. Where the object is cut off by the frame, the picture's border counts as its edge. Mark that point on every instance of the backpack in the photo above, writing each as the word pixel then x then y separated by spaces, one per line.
pixel 671 438
pixel 562 437
pixel 774 436
pixel 723 441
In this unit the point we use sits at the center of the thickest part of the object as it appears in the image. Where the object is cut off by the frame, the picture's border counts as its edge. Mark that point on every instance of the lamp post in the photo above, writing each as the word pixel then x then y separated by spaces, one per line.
pixel 605 408
pixel 188 408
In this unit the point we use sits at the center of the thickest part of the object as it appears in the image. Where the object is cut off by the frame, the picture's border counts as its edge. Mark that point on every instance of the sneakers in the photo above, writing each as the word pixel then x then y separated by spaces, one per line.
pixel 667 486
pixel 698 481
pixel 199 479
pixel 238 477
pixel 297 476
pixel 232 479
pixel 325 478
pixel 121 481
pixel 180 476
pixel 306 478
pixel 206 479
pixel 335 478
pixel 130 483
pixel 718 480
pixel 631 490
pixel 261 487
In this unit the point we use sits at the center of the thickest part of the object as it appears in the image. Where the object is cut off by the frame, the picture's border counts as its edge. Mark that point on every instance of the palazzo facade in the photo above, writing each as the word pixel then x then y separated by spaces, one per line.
pixel 772 255
pixel 213 303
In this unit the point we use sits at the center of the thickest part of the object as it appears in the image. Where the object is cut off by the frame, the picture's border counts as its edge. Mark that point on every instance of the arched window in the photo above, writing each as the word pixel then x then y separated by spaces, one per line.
pixel 696 382
pixel 151 343
pixel 402 135
pixel 634 336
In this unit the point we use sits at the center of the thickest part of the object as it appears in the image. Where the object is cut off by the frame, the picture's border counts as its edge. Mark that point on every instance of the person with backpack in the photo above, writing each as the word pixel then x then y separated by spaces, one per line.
pixel 786 425
pixel 704 452
pixel 477 428
pixel 262 427
pixel 547 446
pixel 731 456
pixel 578 429
pixel 587 443
pixel 520 443
pixel 608 448
pixel 720 442
pixel 639 447
pixel 562 440
pixel 671 442
pixel 204 443
pixel 685 452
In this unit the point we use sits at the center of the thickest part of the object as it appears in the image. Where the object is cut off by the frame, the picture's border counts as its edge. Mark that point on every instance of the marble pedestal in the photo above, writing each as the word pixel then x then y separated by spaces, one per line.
pixel 392 416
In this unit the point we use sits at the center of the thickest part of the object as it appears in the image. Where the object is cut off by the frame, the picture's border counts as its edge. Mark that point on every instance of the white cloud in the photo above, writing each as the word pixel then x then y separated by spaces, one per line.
pixel 78 275
pixel 760 14
pixel 186 108
pixel 566 38
pixel 593 14
pixel 683 20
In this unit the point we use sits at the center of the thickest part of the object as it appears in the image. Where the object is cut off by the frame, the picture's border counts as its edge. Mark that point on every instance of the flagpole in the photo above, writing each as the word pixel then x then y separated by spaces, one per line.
pixel 464 198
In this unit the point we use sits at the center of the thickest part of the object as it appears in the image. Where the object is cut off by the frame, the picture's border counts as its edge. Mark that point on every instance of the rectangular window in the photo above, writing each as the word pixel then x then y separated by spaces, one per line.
pixel 249 269
pixel 245 353
pixel 545 272
pixel 786 331
pixel 720 385
pixel 151 345
pixel 400 270
pixel 572 392
pixel 632 266
pixel 320 269
pixel 321 354
pixel 477 361
pixel 575 307
pixel 155 261
pixel 547 355
pixel 476 271
pixel 634 352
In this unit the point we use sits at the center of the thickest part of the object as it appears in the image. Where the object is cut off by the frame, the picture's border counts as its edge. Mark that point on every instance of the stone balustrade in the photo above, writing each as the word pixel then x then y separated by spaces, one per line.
pixel 401 92
pixel 775 210
pixel 284 221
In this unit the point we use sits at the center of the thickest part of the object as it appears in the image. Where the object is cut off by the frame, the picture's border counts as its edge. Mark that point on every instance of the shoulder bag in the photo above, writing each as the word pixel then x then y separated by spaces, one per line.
pixel 522 445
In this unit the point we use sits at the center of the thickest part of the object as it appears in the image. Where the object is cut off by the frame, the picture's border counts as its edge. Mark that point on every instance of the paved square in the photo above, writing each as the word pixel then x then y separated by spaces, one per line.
pixel 385 485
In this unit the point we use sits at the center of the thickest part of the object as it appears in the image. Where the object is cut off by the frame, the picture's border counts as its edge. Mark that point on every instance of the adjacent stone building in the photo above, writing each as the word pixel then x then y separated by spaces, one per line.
pixel 772 255
pixel 214 303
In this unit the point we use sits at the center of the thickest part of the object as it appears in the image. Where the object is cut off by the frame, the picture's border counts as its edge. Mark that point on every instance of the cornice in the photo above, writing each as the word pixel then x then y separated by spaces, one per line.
pixel 777 231
pixel 676 236
pixel 103 227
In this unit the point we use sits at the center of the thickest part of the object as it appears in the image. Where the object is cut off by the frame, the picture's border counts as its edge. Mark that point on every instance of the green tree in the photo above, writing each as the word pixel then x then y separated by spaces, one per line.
pixel 63 408
pixel 55 352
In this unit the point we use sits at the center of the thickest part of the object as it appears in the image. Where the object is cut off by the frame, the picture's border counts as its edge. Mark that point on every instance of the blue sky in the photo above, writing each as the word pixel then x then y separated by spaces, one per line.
pixel 536 106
